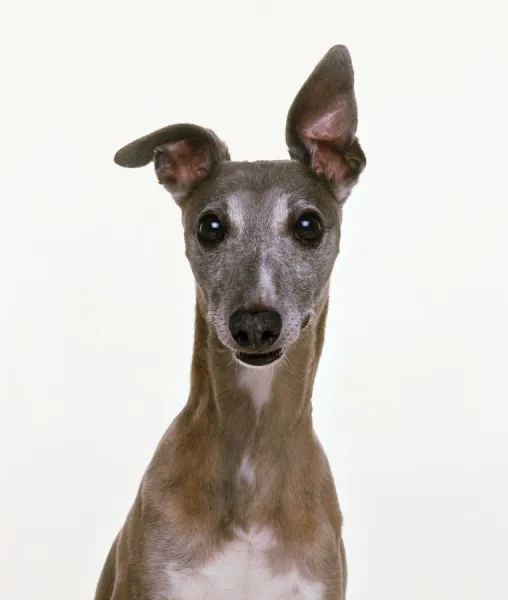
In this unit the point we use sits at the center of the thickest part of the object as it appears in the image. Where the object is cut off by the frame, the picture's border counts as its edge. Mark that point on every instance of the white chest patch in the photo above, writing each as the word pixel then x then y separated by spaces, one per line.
pixel 241 571
pixel 258 382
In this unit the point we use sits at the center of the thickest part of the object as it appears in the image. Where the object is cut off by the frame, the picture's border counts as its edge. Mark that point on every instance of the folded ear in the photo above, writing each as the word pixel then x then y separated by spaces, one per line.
pixel 322 121
pixel 183 155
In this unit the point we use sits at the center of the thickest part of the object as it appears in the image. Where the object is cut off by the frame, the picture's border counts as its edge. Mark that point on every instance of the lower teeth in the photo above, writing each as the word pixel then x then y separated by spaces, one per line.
pixel 271 354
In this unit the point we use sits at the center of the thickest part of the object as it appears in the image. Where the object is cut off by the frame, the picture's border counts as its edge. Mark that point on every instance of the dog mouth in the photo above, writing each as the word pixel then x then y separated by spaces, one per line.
pixel 259 359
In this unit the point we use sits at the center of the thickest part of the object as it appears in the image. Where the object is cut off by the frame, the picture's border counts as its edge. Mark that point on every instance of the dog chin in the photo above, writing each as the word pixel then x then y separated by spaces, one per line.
pixel 259 360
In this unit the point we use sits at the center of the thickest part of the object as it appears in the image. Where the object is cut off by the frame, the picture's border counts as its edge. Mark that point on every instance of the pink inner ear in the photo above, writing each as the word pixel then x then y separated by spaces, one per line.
pixel 187 162
pixel 325 132
pixel 331 126
pixel 328 162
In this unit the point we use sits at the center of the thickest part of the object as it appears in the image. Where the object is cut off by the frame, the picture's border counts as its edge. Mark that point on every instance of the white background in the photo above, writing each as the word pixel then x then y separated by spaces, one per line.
pixel 96 303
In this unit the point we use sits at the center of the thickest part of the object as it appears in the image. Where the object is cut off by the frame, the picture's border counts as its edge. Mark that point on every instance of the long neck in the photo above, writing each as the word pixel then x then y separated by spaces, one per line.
pixel 243 402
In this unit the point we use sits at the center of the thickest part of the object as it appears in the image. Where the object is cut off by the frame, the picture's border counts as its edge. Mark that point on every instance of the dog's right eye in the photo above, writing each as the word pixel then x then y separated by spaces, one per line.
pixel 210 230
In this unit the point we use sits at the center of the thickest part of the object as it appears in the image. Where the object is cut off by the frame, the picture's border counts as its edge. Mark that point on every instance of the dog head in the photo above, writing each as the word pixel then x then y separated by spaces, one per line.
pixel 262 237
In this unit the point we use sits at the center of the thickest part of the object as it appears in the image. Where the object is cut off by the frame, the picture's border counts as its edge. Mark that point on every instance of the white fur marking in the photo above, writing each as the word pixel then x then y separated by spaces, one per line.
pixel 242 571
pixel 280 212
pixel 246 471
pixel 268 293
pixel 236 209
pixel 258 382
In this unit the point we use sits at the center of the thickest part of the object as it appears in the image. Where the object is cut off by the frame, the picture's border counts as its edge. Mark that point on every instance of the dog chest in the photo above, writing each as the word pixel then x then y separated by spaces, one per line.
pixel 241 570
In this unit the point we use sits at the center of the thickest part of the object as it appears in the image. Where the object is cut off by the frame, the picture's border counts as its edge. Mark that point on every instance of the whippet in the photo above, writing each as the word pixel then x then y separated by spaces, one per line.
pixel 238 501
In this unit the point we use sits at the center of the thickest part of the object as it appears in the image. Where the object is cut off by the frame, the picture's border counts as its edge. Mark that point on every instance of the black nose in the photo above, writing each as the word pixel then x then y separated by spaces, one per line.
pixel 255 330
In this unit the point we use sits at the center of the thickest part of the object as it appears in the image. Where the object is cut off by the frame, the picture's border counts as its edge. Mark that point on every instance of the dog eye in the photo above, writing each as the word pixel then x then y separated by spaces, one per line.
pixel 210 230
pixel 309 228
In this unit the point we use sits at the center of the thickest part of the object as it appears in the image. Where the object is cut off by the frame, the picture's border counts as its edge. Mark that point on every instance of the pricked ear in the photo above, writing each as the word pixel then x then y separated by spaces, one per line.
pixel 321 123
pixel 183 155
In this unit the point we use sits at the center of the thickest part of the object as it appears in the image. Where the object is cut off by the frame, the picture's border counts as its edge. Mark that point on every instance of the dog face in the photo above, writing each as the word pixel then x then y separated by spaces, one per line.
pixel 262 237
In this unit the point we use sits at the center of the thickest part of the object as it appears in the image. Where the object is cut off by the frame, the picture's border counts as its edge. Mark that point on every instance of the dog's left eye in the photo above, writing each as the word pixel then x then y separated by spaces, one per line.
pixel 309 228
pixel 210 230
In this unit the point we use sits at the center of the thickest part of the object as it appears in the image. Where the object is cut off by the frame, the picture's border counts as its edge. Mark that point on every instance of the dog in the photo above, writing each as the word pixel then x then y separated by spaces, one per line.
pixel 238 501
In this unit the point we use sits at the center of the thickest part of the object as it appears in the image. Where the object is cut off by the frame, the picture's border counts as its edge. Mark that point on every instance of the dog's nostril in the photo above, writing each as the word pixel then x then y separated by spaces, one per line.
pixel 241 338
pixel 268 337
